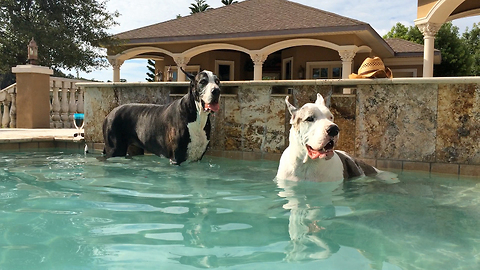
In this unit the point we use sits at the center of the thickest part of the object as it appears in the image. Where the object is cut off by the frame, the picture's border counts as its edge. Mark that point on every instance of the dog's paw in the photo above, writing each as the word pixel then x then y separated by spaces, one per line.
pixel 101 158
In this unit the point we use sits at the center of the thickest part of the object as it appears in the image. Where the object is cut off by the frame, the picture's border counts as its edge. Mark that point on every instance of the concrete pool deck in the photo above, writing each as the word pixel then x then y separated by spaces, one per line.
pixel 28 139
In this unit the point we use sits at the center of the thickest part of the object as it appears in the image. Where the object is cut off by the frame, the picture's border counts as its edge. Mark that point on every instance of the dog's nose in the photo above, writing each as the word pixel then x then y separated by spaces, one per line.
pixel 333 130
pixel 216 91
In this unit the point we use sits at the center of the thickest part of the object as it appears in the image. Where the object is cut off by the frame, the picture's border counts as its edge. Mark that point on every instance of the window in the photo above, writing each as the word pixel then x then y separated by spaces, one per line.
pixel 287 68
pixel 324 70
pixel 174 72
pixel 224 70
pixel 404 73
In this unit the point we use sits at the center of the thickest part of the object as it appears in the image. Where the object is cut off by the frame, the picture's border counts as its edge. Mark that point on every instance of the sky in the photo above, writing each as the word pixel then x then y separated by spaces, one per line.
pixel 382 15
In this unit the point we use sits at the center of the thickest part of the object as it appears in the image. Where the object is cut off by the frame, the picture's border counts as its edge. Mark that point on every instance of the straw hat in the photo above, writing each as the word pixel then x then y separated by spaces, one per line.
pixel 372 68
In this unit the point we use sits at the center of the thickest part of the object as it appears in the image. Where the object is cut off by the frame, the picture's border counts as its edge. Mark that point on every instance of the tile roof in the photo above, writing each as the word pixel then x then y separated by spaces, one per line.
pixel 405 47
pixel 245 19
pixel 402 45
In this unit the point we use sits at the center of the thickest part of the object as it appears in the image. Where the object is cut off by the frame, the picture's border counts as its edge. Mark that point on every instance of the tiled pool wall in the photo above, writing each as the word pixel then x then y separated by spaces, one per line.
pixel 426 124
pixel 20 145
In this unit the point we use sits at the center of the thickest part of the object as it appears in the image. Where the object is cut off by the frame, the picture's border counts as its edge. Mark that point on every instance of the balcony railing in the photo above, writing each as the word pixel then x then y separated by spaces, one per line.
pixel 8 108
pixel 66 99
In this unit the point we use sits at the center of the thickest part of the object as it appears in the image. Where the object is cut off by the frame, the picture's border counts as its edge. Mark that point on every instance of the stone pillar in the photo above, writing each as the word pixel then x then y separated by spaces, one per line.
pixel 116 64
pixel 347 59
pixel 181 62
pixel 429 30
pixel 33 96
pixel 258 60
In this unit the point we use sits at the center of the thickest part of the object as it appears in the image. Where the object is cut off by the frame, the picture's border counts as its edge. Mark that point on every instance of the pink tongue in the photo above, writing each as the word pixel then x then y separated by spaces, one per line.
pixel 212 106
pixel 313 154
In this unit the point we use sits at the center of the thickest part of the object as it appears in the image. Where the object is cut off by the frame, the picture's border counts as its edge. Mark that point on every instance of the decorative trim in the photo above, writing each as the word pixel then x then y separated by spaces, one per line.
pixel 32 69
pixel 429 29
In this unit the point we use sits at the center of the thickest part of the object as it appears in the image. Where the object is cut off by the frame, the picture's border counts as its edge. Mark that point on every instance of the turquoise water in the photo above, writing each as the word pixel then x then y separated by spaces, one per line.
pixel 62 210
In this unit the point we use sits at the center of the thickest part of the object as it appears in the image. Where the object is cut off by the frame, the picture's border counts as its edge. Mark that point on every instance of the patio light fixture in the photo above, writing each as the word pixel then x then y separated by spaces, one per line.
pixel 32 52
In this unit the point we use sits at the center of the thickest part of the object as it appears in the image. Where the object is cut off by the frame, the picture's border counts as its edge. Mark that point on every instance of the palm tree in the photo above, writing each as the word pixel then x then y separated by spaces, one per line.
pixel 198 6
pixel 228 2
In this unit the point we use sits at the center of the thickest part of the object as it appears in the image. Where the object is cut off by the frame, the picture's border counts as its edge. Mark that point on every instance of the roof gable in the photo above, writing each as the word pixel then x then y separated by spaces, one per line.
pixel 243 19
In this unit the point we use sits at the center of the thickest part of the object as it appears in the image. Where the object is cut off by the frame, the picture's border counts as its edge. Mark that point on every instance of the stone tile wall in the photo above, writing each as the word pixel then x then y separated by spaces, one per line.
pixel 413 124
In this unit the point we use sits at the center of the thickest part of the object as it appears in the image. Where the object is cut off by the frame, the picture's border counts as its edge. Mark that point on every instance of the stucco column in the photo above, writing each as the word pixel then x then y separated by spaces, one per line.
pixel 429 30
pixel 181 62
pixel 347 59
pixel 116 64
pixel 258 60
pixel 33 96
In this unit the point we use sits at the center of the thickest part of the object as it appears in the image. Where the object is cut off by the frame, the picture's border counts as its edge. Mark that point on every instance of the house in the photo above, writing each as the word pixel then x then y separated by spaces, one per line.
pixel 264 39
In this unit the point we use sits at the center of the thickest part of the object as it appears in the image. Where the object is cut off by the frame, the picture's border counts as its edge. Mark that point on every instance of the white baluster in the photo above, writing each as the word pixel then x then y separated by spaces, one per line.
pixel 13 109
pixel 56 105
pixel 52 82
pixel 6 114
pixel 64 105
pixel 1 117
pixel 72 103
pixel 80 100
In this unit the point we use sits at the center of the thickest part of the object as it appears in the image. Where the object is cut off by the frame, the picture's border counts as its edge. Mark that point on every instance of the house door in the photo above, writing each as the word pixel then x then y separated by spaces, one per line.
pixel 224 70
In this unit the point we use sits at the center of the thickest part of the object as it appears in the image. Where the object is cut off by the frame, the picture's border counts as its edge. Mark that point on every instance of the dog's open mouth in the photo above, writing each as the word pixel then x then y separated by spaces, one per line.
pixel 210 107
pixel 325 152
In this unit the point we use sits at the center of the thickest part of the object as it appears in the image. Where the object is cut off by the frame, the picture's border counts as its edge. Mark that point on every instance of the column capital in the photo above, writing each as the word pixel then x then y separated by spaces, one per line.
pixel 429 29
pixel 181 61
pixel 116 63
pixel 347 55
pixel 258 58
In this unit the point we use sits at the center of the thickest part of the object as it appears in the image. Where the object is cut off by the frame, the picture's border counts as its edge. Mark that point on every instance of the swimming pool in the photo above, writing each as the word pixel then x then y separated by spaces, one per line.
pixel 64 210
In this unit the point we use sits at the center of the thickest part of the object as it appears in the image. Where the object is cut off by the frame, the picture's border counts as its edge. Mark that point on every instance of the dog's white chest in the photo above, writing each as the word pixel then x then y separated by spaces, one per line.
pixel 198 138
pixel 291 167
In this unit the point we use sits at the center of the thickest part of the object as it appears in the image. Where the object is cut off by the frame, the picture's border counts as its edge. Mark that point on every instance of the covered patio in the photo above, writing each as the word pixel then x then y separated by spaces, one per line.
pixel 432 14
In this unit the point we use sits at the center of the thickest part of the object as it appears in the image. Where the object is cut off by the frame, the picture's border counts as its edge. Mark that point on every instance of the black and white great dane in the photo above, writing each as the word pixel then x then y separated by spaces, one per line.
pixel 311 153
pixel 179 131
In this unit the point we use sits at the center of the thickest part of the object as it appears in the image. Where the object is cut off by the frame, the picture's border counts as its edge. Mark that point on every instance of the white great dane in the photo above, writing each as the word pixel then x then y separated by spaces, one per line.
pixel 311 153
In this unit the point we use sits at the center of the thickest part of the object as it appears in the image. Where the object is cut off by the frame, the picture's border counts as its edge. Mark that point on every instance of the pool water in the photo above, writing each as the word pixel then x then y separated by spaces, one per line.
pixel 63 210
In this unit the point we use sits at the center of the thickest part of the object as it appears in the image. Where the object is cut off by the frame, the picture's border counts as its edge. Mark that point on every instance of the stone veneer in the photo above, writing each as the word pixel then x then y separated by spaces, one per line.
pixel 428 124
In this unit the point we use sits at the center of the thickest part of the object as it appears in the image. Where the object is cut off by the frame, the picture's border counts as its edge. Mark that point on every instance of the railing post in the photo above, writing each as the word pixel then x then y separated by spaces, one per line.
pixel 80 100
pixel 64 105
pixel 56 105
pixel 6 114
pixel 13 109
pixel 33 96
pixel 72 103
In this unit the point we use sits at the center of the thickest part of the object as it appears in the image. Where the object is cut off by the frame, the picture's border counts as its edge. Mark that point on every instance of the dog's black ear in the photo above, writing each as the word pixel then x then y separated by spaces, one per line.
pixel 190 76
pixel 290 107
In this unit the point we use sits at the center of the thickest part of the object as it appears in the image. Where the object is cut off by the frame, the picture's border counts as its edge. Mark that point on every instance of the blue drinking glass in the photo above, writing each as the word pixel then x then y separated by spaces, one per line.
pixel 78 120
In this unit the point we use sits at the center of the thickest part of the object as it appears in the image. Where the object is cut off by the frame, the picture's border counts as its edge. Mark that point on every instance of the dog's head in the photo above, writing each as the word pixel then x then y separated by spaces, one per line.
pixel 205 87
pixel 314 127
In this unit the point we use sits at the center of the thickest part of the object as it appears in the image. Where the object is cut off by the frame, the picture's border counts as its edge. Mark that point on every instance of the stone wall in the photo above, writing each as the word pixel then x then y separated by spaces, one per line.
pixel 414 124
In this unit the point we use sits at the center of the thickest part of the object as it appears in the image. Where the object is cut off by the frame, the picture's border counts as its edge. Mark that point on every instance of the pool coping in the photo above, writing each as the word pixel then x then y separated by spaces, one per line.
pixel 17 139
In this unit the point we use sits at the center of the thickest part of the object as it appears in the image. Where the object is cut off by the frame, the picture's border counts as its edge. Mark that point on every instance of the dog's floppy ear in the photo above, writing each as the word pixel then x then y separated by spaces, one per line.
pixel 190 76
pixel 290 107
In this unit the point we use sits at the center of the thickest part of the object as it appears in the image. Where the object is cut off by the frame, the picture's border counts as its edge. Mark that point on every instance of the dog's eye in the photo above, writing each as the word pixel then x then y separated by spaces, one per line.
pixel 217 81
pixel 203 82
pixel 309 119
